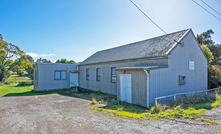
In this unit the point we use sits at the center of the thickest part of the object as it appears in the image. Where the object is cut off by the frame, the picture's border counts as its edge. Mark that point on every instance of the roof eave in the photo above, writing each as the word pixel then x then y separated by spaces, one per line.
pixel 124 60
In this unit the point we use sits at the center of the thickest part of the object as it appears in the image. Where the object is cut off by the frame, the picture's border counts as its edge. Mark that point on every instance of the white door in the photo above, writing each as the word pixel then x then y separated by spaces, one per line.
pixel 125 88
pixel 73 79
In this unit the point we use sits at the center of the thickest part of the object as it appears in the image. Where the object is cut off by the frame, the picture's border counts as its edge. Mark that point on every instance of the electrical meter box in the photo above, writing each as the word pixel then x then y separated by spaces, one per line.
pixel 182 80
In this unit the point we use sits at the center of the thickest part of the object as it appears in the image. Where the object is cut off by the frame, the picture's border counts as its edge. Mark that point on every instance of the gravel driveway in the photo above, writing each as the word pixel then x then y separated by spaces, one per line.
pixel 66 114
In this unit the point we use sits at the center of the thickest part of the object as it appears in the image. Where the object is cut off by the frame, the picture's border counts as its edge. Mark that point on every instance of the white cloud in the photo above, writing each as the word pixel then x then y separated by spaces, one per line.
pixel 33 55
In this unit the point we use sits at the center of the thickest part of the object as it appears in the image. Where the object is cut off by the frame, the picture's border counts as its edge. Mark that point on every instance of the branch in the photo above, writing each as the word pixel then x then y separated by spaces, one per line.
pixel 9 58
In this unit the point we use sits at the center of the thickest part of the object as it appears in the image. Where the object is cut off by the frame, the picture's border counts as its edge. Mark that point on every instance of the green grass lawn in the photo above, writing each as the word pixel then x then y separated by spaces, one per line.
pixel 16 78
pixel 14 89
pixel 27 90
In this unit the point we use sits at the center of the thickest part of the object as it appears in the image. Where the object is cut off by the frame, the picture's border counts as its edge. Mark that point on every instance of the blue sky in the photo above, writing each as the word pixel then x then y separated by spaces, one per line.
pixel 75 29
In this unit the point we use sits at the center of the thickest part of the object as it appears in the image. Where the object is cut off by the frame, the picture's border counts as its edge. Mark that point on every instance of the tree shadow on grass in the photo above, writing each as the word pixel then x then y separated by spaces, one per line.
pixel 28 93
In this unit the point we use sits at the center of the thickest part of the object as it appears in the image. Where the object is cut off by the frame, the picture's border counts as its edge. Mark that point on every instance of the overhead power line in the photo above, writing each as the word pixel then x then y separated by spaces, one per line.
pixel 211 7
pixel 148 17
pixel 206 10
pixel 217 2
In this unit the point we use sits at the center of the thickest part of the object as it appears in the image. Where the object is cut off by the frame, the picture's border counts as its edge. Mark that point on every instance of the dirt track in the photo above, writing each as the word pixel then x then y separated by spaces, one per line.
pixel 65 114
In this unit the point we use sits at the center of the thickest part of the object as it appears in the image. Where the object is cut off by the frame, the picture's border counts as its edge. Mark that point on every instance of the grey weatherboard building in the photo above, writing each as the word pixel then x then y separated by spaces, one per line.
pixel 141 71
pixel 165 65
pixel 50 76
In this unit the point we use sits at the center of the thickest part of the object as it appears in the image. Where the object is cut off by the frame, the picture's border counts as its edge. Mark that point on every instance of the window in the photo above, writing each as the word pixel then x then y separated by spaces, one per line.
pixel 60 75
pixel 98 74
pixel 113 75
pixel 87 74
pixel 191 65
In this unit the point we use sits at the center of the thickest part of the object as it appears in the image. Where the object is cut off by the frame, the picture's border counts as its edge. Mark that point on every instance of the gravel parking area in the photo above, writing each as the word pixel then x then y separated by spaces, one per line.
pixel 65 114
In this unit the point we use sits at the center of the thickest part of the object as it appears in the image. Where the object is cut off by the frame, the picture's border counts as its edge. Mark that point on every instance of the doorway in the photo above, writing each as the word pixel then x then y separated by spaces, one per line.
pixel 125 88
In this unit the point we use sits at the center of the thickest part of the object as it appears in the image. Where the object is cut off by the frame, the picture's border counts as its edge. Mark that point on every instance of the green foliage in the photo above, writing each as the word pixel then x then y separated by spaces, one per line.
pixel 155 110
pixel 214 76
pixel 65 61
pixel 4 73
pixel 190 107
pixel 207 52
pixel 30 59
pixel 43 60
pixel 205 38
pixel 24 83
pixel 7 52
pixel 216 50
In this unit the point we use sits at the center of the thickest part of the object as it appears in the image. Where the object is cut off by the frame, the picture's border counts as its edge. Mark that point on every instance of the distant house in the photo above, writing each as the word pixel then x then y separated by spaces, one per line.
pixel 141 71
pixel 138 72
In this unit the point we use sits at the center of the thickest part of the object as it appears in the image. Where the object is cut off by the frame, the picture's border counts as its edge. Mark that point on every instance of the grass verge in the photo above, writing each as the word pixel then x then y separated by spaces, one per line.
pixel 190 107
pixel 27 90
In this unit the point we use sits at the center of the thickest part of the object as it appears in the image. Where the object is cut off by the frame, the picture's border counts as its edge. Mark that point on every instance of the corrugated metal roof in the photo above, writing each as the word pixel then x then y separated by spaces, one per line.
pixel 141 68
pixel 154 47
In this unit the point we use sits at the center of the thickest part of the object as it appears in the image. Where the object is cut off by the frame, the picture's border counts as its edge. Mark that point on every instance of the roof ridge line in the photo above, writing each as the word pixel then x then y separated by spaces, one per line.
pixel 143 40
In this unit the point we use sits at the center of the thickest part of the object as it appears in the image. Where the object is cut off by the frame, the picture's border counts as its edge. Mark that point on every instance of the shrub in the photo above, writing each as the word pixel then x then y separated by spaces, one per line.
pixel 155 110
pixel 25 83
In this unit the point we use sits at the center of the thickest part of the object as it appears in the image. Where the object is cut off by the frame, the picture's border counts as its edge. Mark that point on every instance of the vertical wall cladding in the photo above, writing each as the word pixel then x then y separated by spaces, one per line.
pixel 36 78
pixel 105 85
pixel 166 81
pixel 46 80
pixel 139 86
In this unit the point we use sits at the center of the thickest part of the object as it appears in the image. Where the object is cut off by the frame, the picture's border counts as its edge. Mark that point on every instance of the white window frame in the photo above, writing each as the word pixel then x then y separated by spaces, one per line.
pixel 60 75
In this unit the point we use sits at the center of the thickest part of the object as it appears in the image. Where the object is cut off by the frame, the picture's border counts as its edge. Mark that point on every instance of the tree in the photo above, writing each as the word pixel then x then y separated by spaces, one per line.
pixel 214 76
pixel 65 61
pixel 3 72
pixel 207 52
pixel 43 60
pixel 30 59
pixel 205 38
pixel 216 51
pixel 1 38
pixel 7 52
pixel 31 67
pixel 213 53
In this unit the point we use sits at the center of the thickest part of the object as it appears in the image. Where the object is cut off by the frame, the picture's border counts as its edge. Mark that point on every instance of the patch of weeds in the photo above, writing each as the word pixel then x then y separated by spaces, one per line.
pixel 206 120
pixel 218 129
pixel 188 108
pixel 93 102
pixel 155 110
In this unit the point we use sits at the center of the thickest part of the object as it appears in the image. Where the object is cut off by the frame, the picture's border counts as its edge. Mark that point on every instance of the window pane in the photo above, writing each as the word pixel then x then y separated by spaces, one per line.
pixel 113 72
pixel 114 79
pixel 57 75
pixel 98 74
pixel 63 75
pixel 98 71
pixel 87 74
pixel 98 78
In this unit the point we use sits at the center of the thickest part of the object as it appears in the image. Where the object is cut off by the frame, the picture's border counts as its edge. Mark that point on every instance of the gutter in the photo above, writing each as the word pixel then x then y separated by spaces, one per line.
pixel 127 60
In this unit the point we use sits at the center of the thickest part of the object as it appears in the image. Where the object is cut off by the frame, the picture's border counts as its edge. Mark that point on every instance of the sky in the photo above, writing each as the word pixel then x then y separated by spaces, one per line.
pixel 76 29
